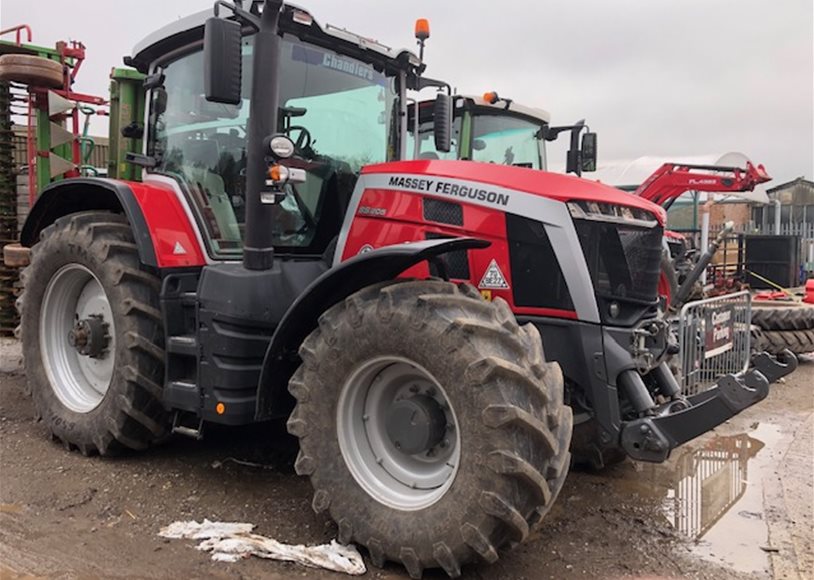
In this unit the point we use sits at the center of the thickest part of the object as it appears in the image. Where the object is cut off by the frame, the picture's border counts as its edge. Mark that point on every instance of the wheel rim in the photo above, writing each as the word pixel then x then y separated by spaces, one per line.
pixel 371 401
pixel 74 295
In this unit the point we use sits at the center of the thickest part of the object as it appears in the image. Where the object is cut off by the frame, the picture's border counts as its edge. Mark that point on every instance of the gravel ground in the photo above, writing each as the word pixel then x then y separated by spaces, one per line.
pixel 66 516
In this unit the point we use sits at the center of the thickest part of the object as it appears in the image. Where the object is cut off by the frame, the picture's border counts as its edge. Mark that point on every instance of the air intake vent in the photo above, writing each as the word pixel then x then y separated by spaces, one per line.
pixel 444 212
pixel 457 263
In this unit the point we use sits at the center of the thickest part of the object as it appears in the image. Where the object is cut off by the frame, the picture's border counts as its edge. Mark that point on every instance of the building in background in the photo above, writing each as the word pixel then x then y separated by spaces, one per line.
pixel 796 202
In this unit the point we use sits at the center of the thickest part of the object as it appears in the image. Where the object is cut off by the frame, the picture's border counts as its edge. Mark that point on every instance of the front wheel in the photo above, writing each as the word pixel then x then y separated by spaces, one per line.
pixel 429 423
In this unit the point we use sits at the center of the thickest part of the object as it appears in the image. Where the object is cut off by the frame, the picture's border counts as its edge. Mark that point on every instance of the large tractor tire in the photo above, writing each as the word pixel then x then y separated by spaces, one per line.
pixel 92 336
pixel 430 425
pixel 31 70
pixel 797 341
pixel 784 318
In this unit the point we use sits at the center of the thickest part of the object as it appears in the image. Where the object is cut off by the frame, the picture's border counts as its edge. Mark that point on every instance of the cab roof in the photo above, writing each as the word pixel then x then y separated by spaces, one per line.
pixel 293 19
pixel 512 106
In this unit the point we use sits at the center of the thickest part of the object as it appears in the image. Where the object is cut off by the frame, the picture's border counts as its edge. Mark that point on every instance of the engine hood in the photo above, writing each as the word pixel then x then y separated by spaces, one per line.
pixel 554 186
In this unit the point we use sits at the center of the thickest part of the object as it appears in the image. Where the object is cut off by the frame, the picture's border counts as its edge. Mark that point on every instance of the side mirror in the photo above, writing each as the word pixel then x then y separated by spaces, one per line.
pixel 589 152
pixel 442 122
pixel 222 61
pixel 159 104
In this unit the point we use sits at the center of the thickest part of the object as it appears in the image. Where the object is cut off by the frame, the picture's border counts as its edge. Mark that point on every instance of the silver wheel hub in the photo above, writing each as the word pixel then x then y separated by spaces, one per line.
pixel 398 433
pixel 77 338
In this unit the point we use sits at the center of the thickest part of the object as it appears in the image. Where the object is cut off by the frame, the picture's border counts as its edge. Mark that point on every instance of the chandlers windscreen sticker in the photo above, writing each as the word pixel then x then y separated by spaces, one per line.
pixel 442 187
pixel 335 62
pixel 493 278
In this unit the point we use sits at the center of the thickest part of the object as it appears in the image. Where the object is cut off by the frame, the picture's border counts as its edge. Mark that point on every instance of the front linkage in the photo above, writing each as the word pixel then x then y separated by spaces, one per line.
pixel 651 438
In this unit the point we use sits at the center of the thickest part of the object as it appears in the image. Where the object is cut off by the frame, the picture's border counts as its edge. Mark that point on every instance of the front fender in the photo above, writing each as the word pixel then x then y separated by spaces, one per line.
pixel 84 194
pixel 330 288
pixel 164 232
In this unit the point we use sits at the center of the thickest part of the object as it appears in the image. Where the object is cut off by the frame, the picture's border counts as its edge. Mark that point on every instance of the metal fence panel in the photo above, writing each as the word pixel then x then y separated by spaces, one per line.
pixel 714 339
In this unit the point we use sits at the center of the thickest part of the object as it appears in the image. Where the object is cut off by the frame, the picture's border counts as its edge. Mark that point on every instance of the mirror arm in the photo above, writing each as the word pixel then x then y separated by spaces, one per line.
pixel 245 17
pixel 426 82
pixel 154 80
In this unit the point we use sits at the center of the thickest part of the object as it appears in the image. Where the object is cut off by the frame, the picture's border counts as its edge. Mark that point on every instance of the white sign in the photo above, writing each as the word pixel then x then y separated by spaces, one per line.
pixel 493 278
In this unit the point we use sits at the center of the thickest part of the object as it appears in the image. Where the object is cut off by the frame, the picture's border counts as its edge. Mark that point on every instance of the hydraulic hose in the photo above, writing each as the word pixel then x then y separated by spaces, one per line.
pixel 700 267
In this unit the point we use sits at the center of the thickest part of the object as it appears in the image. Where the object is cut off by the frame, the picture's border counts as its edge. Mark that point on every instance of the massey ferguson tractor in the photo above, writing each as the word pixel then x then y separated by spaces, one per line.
pixel 491 129
pixel 276 260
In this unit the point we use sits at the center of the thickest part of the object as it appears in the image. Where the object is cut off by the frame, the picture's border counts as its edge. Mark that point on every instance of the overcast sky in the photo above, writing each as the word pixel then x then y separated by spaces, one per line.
pixel 652 77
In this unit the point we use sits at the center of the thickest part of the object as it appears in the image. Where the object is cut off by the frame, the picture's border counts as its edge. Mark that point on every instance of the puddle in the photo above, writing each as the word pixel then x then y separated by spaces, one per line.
pixel 714 496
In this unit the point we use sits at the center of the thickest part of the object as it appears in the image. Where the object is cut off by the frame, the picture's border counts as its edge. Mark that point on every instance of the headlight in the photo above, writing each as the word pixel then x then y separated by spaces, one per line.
pixel 280 146
pixel 607 212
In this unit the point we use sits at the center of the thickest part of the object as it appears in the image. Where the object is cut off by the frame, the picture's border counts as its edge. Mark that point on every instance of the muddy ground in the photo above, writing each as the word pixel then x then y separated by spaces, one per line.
pixel 736 503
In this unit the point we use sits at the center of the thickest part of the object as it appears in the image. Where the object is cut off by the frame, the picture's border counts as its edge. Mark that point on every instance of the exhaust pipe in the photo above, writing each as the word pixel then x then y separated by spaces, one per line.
pixel 258 251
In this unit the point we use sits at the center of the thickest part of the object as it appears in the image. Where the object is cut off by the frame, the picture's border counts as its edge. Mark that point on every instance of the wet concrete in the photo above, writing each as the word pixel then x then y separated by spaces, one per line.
pixel 713 497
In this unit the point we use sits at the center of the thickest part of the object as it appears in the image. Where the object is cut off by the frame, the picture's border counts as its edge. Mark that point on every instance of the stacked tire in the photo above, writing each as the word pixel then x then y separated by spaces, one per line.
pixel 778 328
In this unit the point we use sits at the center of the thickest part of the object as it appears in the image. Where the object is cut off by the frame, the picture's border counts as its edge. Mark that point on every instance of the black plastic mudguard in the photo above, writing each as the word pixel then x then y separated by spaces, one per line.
pixel 331 288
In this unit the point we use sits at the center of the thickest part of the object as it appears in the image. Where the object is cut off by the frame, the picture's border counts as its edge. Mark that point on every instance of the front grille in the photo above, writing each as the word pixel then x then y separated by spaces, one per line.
pixel 444 212
pixel 624 262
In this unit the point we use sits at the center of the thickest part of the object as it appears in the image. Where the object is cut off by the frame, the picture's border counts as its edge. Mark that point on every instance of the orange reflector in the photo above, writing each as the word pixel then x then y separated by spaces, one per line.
pixel 491 97
pixel 275 172
pixel 422 29
pixel 220 408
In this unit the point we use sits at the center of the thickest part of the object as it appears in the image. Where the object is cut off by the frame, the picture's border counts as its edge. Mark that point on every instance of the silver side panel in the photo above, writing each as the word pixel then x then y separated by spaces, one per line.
pixel 553 214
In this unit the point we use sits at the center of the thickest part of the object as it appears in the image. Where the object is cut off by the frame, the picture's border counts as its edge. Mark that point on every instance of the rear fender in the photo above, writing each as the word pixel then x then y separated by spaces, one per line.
pixel 165 235
pixel 331 288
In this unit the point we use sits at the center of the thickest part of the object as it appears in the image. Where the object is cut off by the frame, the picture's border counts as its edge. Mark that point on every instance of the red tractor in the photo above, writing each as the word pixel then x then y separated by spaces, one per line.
pixel 277 261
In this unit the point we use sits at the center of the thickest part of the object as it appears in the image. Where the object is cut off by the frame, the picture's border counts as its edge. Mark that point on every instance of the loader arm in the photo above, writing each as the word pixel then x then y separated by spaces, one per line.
pixel 671 180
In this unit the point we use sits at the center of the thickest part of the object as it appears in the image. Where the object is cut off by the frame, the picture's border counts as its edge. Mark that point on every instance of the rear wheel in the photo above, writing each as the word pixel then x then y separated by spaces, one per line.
pixel 429 423
pixel 92 336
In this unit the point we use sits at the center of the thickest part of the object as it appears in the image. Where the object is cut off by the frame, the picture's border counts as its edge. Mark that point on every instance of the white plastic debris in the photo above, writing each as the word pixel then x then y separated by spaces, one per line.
pixel 203 531
pixel 229 542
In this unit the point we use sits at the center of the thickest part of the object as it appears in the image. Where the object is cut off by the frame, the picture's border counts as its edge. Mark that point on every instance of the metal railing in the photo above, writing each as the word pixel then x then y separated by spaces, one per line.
pixel 714 339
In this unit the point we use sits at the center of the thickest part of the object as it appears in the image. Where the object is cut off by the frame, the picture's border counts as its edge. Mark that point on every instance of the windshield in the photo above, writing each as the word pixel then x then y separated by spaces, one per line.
pixel 494 137
pixel 339 111
pixel 507 140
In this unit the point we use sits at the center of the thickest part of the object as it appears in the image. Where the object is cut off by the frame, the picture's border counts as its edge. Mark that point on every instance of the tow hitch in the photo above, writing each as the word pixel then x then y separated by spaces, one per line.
pixel 652 438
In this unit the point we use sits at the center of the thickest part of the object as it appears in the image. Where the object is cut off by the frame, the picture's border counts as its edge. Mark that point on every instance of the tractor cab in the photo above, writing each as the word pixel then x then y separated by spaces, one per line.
pixel 492 129
pixel 485 129
pixel 340 100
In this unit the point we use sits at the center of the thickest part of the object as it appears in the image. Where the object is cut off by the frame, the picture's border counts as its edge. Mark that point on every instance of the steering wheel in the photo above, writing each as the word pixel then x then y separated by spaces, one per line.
pixel 303 140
